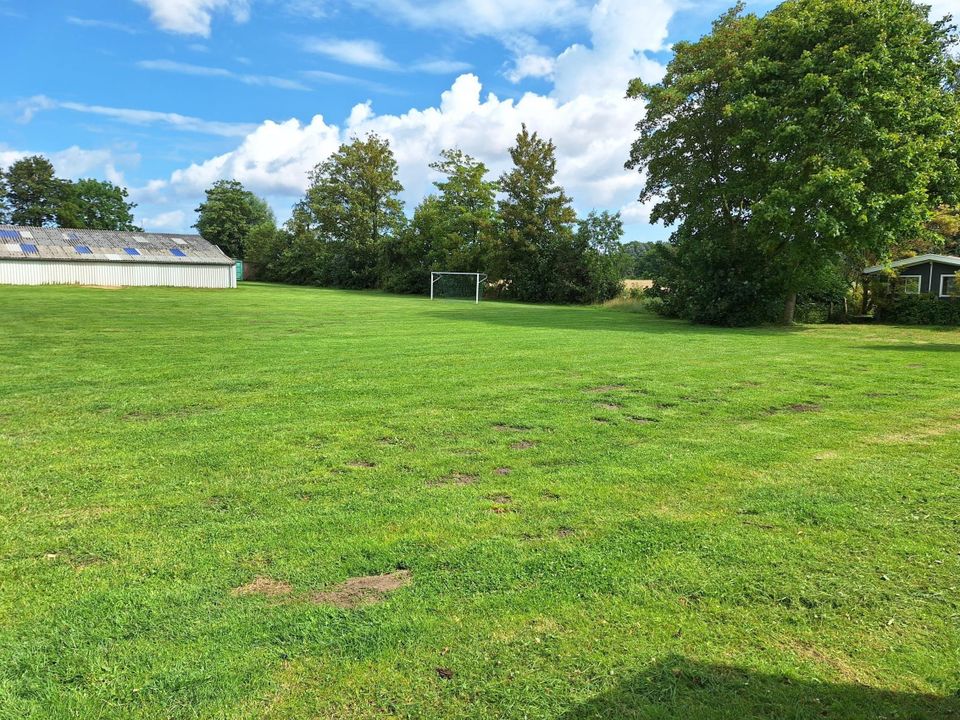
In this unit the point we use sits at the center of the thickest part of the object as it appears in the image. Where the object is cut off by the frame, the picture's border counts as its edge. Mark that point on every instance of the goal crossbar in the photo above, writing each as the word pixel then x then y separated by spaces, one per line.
pixel 480 277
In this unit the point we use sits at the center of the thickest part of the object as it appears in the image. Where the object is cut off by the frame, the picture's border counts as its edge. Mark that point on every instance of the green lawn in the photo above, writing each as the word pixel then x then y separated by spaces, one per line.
pixel 696 523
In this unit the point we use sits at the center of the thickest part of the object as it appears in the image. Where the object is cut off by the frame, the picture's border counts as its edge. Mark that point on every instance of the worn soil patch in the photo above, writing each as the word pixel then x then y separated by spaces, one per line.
pixel 602 420
pixel 643 420
pixel 804 407
pixel 837 663
pixel 609 405
pixel 604 388
pixel 523 445
pixel 361 464
pixel 502 471
pixel 565 532
pixel 455 479
pixel 359 591
pixel 501 427
pixel 501 498
pixel 268 587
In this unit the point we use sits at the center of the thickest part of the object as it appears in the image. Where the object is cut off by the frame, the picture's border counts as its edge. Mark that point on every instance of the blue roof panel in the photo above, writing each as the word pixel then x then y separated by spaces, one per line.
pixel 29 248
pixel 9 234
pixel 131 251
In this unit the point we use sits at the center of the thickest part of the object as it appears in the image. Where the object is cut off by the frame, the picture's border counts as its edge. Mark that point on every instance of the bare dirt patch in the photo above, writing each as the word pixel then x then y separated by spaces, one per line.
pixel 605 388
pixel 501 498
pixel 502 427
pixel 523 445
pixel 267 587
pixel 602 420
pixel 500 510
pixel 359 591
pixel 565 532
pixel 361 464
pixel 642 420
pixel 455 479
pixel 804 407
pixel 609 406
pixel 444 673
pixel 547 495
pixel 502 471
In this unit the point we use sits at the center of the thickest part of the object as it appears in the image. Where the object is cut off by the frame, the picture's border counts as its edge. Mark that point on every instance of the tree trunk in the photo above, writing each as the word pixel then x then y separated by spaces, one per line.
pixel 790 308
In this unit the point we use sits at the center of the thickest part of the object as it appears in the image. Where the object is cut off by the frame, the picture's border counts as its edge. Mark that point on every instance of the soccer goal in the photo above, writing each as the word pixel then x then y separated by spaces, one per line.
pixel 456 285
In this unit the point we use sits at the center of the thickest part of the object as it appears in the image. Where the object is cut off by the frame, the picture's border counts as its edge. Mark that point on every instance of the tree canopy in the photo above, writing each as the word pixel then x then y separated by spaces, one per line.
pixel 228 215
pixel 788 146
pixel 31 194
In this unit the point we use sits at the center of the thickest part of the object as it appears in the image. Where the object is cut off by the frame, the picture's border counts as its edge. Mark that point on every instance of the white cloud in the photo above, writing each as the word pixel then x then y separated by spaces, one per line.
pixel 531 65
pixel 940 8
pixel 363 53
pixel 173 66
pixel 102 24
pixel 441 67
pixel 586 115
pixel 76 162
pixel 30 107
pixel 193 17
pixel 592 135
pixel 173 221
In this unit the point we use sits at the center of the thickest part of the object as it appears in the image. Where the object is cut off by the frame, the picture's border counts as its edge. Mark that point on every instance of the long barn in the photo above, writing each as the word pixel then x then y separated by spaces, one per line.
pixel 54 256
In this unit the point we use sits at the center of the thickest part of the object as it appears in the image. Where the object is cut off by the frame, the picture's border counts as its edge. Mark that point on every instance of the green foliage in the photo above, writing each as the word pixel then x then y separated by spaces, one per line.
pixel 922 309
pixel 818 135
pixel 642 261
pixel 351 211
pixel 536 222
pixel 266 250
pixel 34 194
pixel 455 230
pixel 96 205
pixel 229 214
pixel 4 204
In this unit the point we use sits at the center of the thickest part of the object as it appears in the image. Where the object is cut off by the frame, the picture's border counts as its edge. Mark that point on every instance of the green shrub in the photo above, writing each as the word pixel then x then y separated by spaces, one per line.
pixel 918 310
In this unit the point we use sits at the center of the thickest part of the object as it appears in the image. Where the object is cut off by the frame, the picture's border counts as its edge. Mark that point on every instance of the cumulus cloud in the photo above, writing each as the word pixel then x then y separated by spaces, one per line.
pixel 193 17
pixel 585 114
pixel 75 162
pixel 592 135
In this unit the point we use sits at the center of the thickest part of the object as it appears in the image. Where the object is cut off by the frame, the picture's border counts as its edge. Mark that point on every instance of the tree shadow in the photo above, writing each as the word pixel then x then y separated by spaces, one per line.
pixel 562 317
pixel 915 347
pixel 679 688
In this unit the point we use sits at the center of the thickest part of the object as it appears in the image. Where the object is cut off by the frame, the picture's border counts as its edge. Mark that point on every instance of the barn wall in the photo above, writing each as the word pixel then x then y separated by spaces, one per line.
pixel 51 272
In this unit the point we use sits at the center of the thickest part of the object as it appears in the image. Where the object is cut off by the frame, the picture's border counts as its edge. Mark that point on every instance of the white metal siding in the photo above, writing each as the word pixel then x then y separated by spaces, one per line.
pixel 51 272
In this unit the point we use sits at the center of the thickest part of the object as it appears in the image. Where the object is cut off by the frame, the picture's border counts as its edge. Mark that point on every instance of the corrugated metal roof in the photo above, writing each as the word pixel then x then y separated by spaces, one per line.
pixel 17 243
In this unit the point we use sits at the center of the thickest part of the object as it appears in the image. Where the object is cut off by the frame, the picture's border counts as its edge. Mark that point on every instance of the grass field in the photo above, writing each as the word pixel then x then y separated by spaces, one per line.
pixel 580 513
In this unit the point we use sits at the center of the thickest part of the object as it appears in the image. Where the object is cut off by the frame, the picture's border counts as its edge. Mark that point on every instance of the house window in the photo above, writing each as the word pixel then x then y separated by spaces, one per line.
pixel 910 284
pixel 947 285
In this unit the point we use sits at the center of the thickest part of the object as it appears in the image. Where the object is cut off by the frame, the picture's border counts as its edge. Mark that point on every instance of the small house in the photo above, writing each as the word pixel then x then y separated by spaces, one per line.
pixel 55 256
pixel 923 274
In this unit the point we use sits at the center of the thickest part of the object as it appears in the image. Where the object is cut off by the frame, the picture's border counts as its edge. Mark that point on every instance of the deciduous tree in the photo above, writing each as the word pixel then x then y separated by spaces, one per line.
pixel 229 213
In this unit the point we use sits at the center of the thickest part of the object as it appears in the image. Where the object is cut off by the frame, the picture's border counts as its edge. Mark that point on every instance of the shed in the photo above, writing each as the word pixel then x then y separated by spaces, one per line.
pixel 924 274
pixel 55 256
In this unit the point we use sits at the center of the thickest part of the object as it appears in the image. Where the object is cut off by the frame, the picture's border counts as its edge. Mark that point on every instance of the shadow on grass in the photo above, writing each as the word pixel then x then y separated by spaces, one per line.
pixel 563 317
pixel 679 688
pixel 916 347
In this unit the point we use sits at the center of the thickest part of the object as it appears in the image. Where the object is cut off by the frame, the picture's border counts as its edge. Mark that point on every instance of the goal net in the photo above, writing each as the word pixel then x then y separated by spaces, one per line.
pixel 457 285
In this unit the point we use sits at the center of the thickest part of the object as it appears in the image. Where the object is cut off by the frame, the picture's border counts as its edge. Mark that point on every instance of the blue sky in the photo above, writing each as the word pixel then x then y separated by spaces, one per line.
pixel 166 96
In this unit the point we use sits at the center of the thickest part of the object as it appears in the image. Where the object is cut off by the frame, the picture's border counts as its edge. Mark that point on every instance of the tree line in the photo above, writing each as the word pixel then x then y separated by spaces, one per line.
pixel 790 151
pixel 350 230
pixel 31 194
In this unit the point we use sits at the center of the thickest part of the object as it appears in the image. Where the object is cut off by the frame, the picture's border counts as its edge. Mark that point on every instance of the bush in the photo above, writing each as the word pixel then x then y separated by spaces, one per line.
pixel 918 310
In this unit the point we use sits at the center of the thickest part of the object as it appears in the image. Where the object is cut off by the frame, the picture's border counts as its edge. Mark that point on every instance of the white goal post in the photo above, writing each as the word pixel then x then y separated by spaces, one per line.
pixel 465 277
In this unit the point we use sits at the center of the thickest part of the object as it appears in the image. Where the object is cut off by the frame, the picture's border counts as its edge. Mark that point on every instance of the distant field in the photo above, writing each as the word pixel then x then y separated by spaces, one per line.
pixel 298 503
